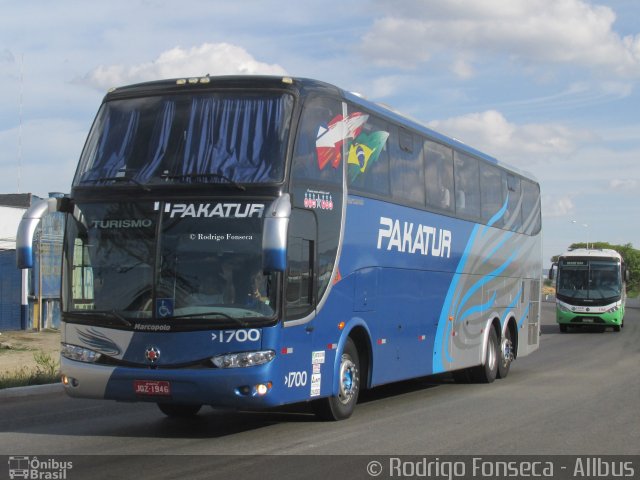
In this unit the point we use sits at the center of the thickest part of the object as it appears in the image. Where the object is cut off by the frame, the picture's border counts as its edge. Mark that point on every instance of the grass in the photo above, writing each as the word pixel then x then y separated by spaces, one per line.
pixel 14 348
pixel 46 371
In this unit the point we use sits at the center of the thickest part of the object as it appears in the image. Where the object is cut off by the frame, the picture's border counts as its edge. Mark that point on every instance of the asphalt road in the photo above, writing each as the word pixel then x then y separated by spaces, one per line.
pixel 578 394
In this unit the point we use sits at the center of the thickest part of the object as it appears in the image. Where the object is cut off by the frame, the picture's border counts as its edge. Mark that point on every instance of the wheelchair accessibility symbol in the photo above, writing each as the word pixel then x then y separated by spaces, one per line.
pixel 164 307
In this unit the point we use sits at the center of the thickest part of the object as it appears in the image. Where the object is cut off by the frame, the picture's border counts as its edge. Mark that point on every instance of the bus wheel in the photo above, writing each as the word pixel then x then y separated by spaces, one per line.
pixel 616 328
pixel 507 355
pixel 563 328
pixel 487 373
pixel 179 411
pixel 342 405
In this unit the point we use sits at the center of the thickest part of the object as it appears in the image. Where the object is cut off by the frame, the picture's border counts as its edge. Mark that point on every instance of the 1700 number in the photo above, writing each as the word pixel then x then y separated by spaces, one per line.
pixel 228 336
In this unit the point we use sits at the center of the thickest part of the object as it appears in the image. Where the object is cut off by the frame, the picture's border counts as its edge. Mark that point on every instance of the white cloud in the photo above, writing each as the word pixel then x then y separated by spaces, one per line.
pixel 624 184
pixel 490 131
pixel 554 206
pixel 383 86
pixel 537 31
pixel 208 58
pixel 463 69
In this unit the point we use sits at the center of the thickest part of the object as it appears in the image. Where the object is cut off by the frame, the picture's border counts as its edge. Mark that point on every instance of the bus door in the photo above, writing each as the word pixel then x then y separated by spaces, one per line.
pixel 299 305
pixel 317 177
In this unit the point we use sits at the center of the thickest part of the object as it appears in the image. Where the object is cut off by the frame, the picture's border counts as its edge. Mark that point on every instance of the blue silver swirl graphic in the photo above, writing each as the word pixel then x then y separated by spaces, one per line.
pixel 490 279
pixel 99 342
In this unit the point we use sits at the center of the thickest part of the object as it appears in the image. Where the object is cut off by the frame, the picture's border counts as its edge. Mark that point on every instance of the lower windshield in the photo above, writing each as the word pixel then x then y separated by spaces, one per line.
pixel 589 279
pixel 213 266
pixel 204 267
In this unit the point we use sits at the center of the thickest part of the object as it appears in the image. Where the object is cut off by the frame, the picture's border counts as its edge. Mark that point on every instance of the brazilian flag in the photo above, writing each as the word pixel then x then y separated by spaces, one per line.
pixel 364 151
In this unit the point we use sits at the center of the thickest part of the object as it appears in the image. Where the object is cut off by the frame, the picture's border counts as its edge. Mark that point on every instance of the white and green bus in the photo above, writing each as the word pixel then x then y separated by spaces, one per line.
pixel 590 288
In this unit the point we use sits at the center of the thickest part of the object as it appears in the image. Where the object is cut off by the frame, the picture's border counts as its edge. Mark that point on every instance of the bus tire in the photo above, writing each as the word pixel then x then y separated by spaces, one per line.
pixel 179 411
pixel 563 328
pixel 507 354
pixel 616 328
pixel 342 405
pixel 488 372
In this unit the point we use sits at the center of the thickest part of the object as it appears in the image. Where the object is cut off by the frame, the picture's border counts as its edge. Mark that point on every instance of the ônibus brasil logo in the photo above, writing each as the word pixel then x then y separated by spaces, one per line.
pixel 37 468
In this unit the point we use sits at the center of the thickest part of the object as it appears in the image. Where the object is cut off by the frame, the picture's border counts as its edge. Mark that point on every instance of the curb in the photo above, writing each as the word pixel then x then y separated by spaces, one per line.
pixel 31 390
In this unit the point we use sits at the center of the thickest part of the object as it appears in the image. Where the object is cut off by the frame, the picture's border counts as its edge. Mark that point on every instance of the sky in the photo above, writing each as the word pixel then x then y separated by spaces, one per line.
pixel 549 86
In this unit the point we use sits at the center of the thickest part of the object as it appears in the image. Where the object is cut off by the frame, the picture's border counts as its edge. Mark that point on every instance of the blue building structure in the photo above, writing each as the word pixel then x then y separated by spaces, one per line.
pixel 29 299
pixel 10 291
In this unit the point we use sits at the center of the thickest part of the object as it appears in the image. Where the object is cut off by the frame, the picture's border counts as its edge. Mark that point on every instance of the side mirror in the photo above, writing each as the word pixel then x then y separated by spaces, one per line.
pixel 274 238
pixel 551 274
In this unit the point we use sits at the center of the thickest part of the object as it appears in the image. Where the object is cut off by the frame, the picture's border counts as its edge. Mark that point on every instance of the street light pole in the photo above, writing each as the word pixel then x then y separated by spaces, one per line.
pixel 585 225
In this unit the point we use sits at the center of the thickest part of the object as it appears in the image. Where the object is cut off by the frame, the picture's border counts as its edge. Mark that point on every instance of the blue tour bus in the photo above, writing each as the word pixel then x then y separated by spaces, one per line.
pixel 248 242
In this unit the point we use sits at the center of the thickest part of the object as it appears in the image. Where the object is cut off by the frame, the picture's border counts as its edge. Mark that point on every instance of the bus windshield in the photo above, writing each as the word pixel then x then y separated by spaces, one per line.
pixel 198 270
pixel 589 279
pixel 213 137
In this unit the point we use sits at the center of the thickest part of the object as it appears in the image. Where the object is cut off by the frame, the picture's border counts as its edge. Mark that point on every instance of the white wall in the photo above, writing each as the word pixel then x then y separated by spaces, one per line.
pixel 9 220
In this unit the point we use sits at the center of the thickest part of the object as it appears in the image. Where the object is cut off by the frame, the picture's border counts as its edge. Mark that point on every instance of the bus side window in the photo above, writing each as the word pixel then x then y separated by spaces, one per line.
pixel 368 158
pixel 531 207
pixel 439 176
pixel 513 215
pixel 407 169
pixel 315 122
pixel 300 275
pixel 299 278
pixel 492 189
pixel 82 285
pixel 467 184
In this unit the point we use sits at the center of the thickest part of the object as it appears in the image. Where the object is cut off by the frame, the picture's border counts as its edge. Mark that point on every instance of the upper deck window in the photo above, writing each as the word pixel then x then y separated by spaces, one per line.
pixel 236 137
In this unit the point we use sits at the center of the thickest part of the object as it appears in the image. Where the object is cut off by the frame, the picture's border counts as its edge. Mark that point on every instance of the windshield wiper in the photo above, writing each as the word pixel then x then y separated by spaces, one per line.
pixel 239 321
pixel 111 314
pixel 185 176
pixel 118 179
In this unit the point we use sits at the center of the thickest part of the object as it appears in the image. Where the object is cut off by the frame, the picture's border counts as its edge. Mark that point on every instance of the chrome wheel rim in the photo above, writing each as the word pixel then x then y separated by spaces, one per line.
pixel 491 355
pixel 348 380
pixel 507 352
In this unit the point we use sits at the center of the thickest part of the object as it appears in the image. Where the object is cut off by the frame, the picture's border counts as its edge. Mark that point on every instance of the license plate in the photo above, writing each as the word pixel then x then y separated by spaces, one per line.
pixel 152 387
pixel 587 320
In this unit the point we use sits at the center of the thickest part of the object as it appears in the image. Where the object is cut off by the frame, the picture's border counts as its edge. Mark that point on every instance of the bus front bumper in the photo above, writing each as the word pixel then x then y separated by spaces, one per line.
pixel 584 319
pixel 250 388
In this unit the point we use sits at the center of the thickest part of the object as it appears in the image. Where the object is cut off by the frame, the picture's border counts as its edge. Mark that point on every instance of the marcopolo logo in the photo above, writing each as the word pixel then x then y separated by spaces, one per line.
pixel 38 468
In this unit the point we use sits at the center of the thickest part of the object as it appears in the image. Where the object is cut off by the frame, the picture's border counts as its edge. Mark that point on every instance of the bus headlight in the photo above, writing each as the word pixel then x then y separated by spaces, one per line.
pixel 613 309
pixel 79 354
pixel 563 308
pixel 243 359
